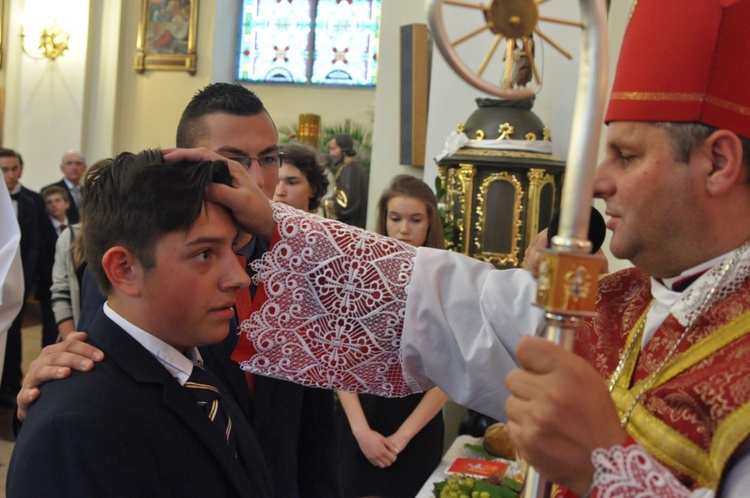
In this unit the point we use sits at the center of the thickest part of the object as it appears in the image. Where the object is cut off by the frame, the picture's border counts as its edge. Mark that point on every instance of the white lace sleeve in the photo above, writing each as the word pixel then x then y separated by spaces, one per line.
pixel 330 308
pixel 631 472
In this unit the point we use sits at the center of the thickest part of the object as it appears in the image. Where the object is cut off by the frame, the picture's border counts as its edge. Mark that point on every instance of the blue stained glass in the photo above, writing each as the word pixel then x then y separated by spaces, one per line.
pixel 346 42
pixel 275 41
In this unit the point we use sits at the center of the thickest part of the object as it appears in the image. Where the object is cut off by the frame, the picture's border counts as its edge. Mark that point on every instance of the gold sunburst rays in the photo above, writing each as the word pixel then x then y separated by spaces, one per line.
pixel 516 21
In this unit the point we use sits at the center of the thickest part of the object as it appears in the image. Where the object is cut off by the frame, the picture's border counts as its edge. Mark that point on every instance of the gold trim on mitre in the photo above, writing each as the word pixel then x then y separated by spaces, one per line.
pixel 659 96
pixel 682 97
pixel 730 106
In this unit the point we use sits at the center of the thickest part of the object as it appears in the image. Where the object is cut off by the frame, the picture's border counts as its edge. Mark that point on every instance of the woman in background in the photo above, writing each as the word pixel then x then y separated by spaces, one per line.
pixel 302 181
pixel 390 447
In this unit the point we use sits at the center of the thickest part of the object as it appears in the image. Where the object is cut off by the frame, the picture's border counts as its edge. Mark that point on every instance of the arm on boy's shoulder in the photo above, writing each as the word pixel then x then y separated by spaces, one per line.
pixel 54 362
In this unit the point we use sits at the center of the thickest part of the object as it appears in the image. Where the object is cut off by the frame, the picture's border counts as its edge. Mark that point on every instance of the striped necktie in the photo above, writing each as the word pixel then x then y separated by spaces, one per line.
pixel 202 384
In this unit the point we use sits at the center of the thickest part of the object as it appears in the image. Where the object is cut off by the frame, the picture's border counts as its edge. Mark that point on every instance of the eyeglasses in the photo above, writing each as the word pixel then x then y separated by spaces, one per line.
pixel 267 161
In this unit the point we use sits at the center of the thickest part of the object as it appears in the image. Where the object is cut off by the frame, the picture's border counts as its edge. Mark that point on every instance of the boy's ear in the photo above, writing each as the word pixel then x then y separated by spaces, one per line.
pixel 727 167
pixel 122 269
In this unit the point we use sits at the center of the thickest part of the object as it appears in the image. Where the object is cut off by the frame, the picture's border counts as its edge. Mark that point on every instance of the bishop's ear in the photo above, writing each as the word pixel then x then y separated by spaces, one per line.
pixel 728 168
pixel 122 269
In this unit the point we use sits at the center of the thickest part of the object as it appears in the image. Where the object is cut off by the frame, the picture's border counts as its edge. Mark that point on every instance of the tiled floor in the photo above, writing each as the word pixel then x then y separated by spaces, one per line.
pixel 31 347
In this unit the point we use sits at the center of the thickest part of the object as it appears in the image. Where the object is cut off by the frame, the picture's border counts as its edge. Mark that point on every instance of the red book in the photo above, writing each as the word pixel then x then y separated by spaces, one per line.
pixel 477 468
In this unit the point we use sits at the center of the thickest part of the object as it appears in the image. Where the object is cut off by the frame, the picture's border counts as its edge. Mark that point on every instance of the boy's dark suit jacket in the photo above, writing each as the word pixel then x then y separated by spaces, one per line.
pixel 72 213
pixel 295 425
pixel 127 428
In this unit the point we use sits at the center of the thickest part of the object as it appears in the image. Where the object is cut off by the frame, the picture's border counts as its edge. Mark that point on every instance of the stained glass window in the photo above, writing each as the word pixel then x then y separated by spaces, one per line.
pixel 326 42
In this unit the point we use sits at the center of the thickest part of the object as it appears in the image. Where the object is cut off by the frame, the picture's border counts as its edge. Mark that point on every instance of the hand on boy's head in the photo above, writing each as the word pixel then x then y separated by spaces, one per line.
pixel 55 362
pixel 249 206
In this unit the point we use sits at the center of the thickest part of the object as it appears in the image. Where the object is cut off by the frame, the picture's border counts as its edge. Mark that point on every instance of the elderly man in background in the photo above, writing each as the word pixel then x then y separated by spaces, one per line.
pixel 73 166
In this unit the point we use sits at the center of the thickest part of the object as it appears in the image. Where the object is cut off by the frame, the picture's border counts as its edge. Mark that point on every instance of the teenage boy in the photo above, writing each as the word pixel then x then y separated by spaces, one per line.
pixel 56 203
pixel 137 424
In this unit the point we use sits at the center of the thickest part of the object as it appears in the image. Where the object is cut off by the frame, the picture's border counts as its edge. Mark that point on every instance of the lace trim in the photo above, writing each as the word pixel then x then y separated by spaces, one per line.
pixel 631 472
pixel 335 308
pixel 714 285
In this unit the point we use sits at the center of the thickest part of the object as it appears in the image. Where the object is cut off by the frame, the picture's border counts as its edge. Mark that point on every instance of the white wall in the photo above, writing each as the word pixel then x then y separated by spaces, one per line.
pixel 45 99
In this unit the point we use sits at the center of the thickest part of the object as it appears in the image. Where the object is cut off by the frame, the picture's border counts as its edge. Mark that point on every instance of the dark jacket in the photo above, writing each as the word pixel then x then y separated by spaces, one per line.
pixel 127 428
pixel 30 218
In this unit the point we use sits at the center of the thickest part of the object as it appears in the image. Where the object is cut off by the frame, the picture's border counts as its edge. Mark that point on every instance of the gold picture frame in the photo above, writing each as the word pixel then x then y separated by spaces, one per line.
pixel 167 35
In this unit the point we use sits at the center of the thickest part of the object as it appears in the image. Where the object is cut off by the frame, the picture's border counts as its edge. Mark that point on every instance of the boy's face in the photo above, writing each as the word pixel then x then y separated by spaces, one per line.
pixel 56 206
pixel 187 299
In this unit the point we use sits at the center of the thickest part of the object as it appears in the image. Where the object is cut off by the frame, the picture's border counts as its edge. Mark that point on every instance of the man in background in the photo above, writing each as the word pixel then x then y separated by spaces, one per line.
pixel 56 204
pixel 349 201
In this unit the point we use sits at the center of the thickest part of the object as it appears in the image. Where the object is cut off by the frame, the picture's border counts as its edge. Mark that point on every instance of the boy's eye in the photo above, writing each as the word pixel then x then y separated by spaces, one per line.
pixel 204 254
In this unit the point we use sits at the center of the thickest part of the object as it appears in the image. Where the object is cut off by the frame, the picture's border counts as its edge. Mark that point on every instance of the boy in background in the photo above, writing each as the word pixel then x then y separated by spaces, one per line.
pixel 56 203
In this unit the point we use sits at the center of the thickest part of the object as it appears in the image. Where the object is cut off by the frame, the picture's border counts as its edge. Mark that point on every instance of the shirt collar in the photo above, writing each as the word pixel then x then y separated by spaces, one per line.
pixel 178 364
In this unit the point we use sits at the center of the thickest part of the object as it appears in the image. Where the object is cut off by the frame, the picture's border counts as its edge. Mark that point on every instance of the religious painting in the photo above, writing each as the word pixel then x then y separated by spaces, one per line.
pixel 167 36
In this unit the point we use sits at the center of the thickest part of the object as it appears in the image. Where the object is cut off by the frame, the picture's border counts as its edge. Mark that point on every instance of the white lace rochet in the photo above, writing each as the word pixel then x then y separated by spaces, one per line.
pixel 335 309
pixel 631 472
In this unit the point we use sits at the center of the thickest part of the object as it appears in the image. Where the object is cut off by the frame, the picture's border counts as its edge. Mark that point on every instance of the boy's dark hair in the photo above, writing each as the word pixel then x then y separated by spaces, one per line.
pixel 229 98
pixel 55 189
pixel 138 198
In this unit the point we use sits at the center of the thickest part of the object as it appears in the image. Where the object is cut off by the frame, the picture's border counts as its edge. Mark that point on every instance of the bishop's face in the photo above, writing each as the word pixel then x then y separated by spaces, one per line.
pixel 654 201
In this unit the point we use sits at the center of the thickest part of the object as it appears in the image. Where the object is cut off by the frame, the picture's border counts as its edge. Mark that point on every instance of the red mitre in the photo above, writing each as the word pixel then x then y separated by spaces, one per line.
pixel 685 60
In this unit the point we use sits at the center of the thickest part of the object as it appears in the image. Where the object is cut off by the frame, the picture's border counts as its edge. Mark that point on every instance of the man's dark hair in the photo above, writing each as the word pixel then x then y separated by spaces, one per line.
pixel 229 98
pixel 346 144
pixel 4 152
pixel 305 159
pixel 137 199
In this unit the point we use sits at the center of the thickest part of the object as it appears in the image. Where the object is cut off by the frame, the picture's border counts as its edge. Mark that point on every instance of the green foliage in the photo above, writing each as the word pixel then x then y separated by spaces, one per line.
pixel 361 136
